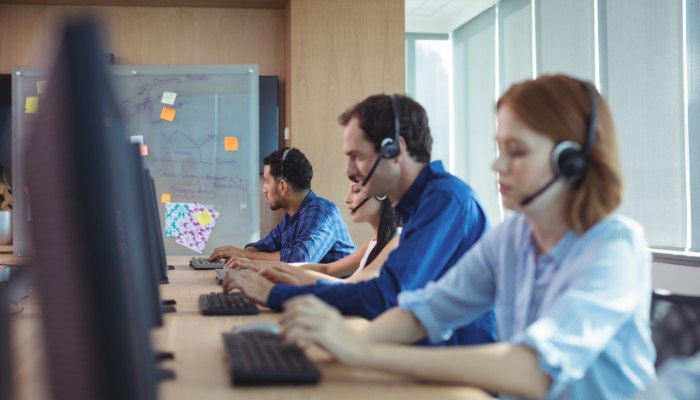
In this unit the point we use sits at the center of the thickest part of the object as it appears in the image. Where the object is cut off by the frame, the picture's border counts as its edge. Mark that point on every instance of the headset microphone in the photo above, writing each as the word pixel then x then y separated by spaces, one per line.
pixel 389 149
pixel 568 159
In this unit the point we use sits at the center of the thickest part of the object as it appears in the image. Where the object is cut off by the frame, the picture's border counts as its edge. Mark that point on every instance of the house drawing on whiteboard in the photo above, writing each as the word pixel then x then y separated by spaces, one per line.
pixel 180 148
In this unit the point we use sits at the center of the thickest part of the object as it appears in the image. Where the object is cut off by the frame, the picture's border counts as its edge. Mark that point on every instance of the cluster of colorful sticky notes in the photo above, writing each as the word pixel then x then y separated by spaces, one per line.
pixel 168 98
pixel 165 198
pixel 230 143
pixel 194 235
pixel 32 105
pixel 168 114
pixel 41 86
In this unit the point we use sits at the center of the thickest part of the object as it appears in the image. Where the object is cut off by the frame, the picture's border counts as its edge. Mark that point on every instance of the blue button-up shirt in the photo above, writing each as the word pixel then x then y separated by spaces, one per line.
pixel 315 233
pixel 583 307
pixel 679 379
pixel 442 219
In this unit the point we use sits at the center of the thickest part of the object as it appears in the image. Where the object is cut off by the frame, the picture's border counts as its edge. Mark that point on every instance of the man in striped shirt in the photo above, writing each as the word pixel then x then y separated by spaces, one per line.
pixel 312 229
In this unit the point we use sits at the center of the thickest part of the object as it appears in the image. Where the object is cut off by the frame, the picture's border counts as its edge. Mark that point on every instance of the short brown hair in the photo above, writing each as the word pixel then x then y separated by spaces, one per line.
pixel 559 107
pixel 376 116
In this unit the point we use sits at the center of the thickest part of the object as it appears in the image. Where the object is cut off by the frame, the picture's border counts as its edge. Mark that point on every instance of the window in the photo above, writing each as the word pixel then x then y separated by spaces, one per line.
pixel 428 69
pixel 644 57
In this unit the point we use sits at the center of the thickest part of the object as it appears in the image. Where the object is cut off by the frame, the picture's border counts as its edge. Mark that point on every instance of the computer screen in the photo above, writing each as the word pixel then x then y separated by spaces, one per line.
pixel 85 222
pixel 160 264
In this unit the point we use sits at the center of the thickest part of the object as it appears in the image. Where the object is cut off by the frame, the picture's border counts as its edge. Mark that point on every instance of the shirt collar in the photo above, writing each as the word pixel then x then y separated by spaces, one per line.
pixel 559 250
pixel 408 201
pixel 563 246
pixel 308 199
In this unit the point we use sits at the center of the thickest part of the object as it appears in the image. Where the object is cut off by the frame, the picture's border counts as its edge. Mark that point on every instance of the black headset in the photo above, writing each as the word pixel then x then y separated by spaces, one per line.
pixel 568 159
pixel 390 148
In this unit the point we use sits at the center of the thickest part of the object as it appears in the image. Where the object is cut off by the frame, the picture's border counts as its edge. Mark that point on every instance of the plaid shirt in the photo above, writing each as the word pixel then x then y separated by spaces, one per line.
pixel 315 233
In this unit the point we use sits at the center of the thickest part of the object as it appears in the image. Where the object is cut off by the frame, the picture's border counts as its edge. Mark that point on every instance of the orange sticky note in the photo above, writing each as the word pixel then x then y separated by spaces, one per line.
pixel 168 114
pixel 165 198
pixel 144 150
pixel 230 143
pixel 204 218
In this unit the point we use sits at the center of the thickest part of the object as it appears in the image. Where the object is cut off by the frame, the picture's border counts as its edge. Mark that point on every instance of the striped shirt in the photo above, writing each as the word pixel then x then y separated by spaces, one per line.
pixel 583 307
pixel 315 233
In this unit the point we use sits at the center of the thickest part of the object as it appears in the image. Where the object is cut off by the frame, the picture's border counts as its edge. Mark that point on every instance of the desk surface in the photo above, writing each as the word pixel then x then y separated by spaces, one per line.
pixel 200 363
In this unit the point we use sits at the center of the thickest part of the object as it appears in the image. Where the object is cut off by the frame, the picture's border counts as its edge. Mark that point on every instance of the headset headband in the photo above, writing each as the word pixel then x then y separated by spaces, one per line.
pixel 284 156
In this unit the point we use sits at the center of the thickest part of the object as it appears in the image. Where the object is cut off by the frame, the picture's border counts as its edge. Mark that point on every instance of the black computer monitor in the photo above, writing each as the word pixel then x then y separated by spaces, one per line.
pixel 87 231
pixel 145 270
pixel 160 263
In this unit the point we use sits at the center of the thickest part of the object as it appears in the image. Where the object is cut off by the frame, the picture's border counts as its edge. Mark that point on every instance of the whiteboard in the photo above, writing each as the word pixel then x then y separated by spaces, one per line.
pixel 187 156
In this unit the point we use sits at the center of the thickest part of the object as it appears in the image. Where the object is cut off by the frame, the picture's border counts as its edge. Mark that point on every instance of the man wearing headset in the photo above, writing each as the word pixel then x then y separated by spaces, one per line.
pixel 312 229
pixel 388 143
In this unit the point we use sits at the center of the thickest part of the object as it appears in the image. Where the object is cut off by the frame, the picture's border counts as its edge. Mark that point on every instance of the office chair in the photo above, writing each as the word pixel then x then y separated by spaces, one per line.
pixel 675 325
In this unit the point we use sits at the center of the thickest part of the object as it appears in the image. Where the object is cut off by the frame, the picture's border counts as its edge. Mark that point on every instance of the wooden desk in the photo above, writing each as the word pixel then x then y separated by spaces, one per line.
pixel 200 362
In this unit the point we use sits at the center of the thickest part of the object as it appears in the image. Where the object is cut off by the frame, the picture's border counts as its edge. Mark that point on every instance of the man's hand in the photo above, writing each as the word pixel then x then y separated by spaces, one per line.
pixel 256 287
pixel 226 252
pixel 308 320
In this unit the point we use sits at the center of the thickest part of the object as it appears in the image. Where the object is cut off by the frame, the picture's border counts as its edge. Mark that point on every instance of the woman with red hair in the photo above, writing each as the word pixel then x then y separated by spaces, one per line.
pixel 570 280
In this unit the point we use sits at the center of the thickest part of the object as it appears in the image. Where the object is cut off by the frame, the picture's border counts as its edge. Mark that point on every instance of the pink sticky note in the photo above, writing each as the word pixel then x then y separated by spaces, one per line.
pixel 144 150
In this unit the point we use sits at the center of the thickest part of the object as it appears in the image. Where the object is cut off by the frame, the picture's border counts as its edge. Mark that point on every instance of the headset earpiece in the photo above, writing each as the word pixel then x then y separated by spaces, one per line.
pixel 568 162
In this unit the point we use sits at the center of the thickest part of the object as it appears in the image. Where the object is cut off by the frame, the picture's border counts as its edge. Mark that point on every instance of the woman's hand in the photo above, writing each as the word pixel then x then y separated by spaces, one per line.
pixel 290 276
pixel 309 320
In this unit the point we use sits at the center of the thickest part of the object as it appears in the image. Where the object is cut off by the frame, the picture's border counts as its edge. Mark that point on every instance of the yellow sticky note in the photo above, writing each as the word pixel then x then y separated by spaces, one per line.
pixel 168 114
pixel 32 105
pixel 144 150
pixel 204 218
pixel 41 87
pixel 165 198
pixel 32 101
pixel 230 143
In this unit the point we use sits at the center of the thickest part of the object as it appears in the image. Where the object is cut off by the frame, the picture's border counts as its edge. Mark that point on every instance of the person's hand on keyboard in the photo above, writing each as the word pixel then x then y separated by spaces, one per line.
pixel 226 252
pixel 308 320
pixel 287 275
pixel 239 263
pixel 256 287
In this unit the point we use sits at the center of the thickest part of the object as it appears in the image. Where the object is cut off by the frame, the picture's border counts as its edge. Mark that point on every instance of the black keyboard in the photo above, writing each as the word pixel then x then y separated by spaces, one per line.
pixel 227 304
pixel 203 263
pixel 261 358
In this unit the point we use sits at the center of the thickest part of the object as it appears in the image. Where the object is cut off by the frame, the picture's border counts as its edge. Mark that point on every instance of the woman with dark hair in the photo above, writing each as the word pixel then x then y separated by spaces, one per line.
pixel 570 279
pixel 363 265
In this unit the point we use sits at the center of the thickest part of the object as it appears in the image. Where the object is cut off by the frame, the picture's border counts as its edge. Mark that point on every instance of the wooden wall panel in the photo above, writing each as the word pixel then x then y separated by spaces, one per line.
pixel 341 51
pixel 153 35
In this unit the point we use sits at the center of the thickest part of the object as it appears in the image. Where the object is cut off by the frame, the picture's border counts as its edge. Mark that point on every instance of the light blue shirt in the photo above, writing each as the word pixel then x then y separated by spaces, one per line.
pixel 679 379
pixel 583 307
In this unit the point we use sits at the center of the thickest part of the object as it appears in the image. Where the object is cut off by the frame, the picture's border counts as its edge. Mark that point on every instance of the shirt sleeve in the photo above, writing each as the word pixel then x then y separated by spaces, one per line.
pixel 679 379
pixel 429 241
pixel 271 243
pixel 314 237
pixel 603 295
pixel 458 298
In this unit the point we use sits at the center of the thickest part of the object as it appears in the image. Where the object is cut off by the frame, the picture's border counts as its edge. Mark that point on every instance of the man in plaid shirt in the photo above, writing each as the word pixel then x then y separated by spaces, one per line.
pixel 312 229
